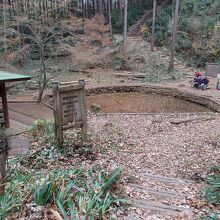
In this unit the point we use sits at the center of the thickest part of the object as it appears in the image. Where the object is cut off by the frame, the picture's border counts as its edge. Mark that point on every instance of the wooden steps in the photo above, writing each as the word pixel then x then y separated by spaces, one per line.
pixel 157 194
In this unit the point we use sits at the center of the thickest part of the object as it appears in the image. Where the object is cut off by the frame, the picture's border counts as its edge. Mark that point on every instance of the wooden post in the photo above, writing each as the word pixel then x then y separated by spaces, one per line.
pixel 2 165
pixel 57 114
pixel 4 104
pixel 83 109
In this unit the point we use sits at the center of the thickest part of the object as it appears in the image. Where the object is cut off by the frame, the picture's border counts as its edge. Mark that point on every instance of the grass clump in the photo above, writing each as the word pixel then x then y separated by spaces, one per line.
pixel 74 193
pixel 46 179
pixel 212 191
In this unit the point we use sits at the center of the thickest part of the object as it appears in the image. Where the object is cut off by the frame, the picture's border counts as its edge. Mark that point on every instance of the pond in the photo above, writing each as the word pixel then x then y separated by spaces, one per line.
pixel 136 102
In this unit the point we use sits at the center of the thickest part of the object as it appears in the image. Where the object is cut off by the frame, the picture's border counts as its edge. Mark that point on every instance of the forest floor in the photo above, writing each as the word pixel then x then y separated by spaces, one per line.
pixel 151 143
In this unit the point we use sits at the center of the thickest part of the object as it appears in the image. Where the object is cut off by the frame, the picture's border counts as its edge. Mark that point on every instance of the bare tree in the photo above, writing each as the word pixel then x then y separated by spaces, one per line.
pixel 41 38
pixel 153 24
pixel 124 63
pixel 110 17
pixel 100 6
pixel 173 43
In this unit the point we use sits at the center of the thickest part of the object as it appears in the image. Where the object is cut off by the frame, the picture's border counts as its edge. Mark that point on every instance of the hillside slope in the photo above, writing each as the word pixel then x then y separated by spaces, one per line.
pixel 198 38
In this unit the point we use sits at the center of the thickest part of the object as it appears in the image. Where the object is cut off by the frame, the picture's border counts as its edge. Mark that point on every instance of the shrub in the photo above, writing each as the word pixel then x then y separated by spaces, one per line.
pixel 197 41
pixel 212 191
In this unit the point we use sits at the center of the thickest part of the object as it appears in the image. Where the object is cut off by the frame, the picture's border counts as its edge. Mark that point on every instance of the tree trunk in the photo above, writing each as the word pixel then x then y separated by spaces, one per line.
pixel 173 43
pixel 100 7
pixel 124 63
pixel 110 17
pixel 42 81
pixel 83 9
pixel 140 4
pixel 88 9
pixel 93 7
pixel 153 24
pixel 4 24
pixel 104 7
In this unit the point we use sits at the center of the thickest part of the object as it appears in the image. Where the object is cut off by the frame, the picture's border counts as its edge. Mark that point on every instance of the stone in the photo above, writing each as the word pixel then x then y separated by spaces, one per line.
pixel 17 146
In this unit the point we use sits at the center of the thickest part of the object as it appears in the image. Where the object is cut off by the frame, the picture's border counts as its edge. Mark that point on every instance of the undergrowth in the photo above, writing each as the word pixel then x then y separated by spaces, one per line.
pixel 212 192
pixel 68 192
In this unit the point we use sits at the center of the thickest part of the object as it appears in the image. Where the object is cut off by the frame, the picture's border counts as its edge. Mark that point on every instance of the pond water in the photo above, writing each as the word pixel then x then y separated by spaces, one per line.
pixel 134 102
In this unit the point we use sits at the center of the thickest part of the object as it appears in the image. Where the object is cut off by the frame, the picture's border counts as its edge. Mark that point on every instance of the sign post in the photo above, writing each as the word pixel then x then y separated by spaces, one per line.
pixel 69 108
pixel 212 69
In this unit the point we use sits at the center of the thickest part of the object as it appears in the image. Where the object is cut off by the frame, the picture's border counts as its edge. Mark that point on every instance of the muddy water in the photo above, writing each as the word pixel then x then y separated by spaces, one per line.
pixel 142 102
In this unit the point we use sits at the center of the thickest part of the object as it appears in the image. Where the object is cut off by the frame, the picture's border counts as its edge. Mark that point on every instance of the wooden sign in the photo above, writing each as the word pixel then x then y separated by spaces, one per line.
pixel 69 108
pixel 212 69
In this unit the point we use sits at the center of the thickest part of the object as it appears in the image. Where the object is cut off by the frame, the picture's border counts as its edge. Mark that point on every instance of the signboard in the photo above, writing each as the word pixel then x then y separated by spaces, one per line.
pixel 69 108
pixel 212 69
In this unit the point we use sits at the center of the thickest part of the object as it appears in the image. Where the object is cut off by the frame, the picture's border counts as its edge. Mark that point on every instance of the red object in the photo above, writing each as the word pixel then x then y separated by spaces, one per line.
pixel 197 73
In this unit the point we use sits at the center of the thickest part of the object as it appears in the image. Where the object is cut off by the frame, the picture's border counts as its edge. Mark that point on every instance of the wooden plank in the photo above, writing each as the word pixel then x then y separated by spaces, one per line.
pixel 191 119
pixel 57 114
pixel 73 82
pixel 70 88
pixel 78 108
pixel 78 124
pixel 69 104
pixel 157 207
pixel 3 154
pixel 83 111
pixel 4 104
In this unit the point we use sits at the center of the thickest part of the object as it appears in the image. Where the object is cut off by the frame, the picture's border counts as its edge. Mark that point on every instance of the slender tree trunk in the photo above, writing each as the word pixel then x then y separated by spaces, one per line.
pixel 173 43
pixel 153 24
pixel 88 9
pixel 110 17
pixel 140 4
pixel 43 78
pixel 105 12
pixel 121 11
pixel 93 7
pixel 124 64
pixel 4 24
pixel 83 8
pixel 118 4
pixel 100 7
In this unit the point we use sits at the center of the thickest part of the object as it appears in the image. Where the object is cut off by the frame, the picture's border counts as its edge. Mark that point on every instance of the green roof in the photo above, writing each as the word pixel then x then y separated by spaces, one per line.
pixel 10 77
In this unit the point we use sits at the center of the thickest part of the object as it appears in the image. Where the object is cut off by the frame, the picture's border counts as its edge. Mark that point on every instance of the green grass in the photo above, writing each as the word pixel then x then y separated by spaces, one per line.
pixel 212 190
pixel 77 192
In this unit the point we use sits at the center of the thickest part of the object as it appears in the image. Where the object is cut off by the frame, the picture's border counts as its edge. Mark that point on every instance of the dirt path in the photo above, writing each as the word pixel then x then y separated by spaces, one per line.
pixel 28 112
pixel 135 29
pixel 156 155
